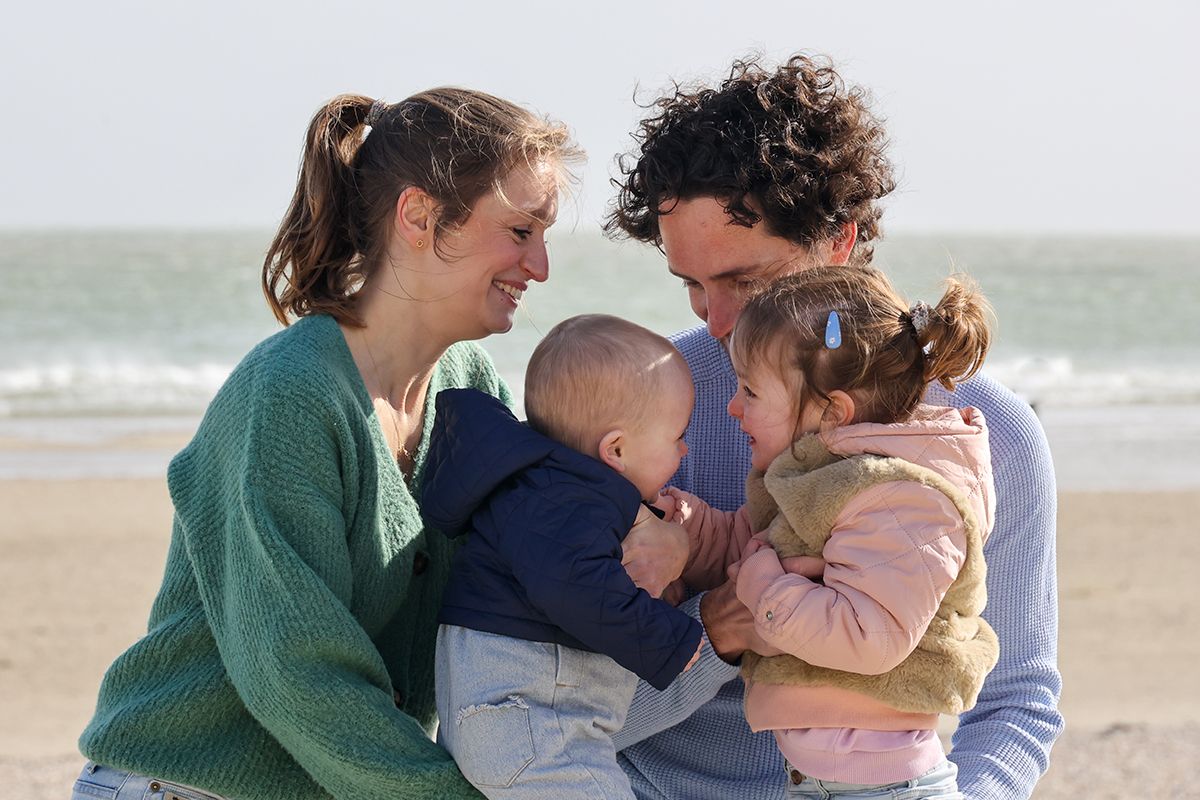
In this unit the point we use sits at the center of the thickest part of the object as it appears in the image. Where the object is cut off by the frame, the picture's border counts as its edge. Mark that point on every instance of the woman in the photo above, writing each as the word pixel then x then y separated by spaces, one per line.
pixel 290 648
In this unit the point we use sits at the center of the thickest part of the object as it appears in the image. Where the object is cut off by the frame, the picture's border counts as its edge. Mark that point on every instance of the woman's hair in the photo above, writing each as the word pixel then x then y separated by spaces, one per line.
pixel 594 372
pixel 360 154
pixel 793 148
pixel 889 352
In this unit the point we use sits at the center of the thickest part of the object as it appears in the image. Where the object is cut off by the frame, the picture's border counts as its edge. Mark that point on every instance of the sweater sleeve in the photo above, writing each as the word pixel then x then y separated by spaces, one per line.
pixel 716 539
pixel 267 539
pixel 1002 745
pixel 892 555
pixel 568 560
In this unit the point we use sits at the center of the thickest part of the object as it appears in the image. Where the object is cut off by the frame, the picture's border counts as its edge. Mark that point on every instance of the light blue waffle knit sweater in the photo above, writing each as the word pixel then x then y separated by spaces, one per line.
pixel 692 742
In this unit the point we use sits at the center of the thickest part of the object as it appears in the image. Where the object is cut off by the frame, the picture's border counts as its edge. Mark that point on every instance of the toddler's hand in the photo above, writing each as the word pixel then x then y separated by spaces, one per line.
pixel 666 503
pixel 682 509
pixel 696 657
pixel 756 543
pixel 810 567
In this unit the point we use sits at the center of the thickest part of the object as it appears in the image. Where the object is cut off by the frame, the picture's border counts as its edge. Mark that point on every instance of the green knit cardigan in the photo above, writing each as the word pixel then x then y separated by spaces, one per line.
pixel 290 649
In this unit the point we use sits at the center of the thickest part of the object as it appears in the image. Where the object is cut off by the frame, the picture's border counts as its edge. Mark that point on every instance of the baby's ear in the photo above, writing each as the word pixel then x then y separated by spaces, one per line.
pixel 610 449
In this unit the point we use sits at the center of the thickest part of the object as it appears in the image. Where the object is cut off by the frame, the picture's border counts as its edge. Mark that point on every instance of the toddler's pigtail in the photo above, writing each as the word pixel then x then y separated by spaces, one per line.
pixel 311 266
pixel 956 335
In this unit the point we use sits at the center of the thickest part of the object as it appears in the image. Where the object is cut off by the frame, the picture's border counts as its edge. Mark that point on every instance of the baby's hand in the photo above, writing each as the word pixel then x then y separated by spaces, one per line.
pixel 696 657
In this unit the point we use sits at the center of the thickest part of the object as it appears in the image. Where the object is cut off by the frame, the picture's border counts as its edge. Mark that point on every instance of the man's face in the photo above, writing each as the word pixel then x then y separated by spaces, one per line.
pixel 720 262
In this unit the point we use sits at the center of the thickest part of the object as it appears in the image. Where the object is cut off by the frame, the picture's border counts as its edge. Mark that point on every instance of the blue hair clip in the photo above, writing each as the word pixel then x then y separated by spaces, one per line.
pixel 833 331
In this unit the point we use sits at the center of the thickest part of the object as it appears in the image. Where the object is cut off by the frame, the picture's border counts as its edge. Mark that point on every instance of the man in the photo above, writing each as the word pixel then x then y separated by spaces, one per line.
pixel 766 175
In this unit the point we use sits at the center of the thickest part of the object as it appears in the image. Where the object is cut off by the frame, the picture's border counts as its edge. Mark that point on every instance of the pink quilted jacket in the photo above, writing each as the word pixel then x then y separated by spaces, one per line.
pixel 892 554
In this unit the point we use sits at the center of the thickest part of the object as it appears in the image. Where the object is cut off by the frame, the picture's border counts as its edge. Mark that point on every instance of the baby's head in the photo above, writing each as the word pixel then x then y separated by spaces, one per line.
pixel 831 346
pixel 614 391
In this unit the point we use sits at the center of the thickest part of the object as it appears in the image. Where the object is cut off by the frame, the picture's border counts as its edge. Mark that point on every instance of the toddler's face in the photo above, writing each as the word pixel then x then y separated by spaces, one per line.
pixel 765 404
pixel 654 447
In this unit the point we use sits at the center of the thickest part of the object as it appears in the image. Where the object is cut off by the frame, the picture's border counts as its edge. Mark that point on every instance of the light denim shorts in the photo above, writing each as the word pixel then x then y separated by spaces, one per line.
pixel 97 782
pixel 939 783
pixel 531 720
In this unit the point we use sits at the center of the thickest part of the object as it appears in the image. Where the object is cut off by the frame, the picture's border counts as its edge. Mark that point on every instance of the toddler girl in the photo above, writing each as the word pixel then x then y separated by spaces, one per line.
pixel 894 496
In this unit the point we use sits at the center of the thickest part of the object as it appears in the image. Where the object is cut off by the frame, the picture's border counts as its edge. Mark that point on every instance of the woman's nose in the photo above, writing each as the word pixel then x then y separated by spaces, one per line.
pixel 537 263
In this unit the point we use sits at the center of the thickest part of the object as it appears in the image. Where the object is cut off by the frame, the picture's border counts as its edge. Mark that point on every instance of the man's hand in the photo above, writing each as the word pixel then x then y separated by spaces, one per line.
pixel 729 625
pixel 654 552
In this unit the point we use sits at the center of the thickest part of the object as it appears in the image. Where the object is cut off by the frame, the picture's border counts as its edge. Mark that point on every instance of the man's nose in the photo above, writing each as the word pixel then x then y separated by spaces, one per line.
pixel 722 314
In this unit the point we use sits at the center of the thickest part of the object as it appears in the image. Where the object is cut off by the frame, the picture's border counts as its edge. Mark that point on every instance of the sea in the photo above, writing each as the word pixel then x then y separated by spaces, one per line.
pixel 113 342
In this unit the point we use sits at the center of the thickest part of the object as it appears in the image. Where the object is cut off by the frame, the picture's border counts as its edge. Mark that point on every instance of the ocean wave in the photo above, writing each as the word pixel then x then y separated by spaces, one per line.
pixel 128 387
pixel 108 387
pixel 1060 382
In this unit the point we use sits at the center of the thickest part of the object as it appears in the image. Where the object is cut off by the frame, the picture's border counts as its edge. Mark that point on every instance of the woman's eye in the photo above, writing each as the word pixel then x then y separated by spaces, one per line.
pixel 522 233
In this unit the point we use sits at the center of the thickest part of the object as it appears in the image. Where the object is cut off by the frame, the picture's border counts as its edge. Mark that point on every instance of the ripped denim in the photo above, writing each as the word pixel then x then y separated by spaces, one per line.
pixel 531 720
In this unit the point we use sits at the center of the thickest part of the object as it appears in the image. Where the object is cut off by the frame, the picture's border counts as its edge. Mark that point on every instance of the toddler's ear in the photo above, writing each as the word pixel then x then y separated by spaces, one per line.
pixel 839 411
pixel 611 448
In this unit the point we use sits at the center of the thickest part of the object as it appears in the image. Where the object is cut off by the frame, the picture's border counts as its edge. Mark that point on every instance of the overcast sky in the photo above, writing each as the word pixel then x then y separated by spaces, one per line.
pixel 1015 116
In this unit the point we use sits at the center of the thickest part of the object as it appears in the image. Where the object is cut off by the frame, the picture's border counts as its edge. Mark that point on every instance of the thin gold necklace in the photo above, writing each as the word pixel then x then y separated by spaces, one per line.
pixel 401 450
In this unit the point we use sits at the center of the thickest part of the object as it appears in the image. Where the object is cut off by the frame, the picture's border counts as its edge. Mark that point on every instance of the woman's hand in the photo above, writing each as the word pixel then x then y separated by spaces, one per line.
pixel 654 553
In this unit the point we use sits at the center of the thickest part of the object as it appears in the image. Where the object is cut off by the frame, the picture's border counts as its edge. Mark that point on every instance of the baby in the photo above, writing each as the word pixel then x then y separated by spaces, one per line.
pixel 543 634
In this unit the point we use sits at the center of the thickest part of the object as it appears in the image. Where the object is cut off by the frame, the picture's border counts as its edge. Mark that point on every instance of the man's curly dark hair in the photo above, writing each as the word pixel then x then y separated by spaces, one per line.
pixel 794 148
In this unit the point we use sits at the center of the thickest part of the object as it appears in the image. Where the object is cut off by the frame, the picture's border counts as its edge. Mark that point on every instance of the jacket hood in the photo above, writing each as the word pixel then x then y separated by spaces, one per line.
pixel 952 442
pixel 477 446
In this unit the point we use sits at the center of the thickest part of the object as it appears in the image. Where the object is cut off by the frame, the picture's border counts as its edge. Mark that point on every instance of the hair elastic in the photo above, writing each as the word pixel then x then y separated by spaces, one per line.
pixel 918 316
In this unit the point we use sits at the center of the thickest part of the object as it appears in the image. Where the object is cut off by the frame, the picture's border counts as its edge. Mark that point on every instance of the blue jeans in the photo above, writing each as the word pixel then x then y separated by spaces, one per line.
pixel 939 783
pixel 531 720
pixel 97 782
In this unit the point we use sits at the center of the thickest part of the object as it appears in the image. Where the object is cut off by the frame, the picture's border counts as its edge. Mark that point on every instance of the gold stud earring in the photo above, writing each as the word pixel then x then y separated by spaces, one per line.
pixel 420 243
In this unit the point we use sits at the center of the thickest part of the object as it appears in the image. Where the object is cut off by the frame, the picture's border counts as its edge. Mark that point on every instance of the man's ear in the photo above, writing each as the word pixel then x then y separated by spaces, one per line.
pixel 415 216
pixel 839 411
pixel 843 244
pixel 610 449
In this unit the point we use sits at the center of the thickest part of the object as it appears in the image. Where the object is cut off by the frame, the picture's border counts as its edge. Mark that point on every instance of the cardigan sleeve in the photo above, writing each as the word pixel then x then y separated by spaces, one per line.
pixel 266 536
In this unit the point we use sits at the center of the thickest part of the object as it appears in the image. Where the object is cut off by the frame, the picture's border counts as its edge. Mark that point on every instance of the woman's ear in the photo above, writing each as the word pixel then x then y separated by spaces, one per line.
pixel 610 449
pixel 416 214
pixel 839 410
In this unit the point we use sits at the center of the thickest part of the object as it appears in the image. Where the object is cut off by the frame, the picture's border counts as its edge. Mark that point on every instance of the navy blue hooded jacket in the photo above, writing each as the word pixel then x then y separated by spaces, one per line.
pixel 543 558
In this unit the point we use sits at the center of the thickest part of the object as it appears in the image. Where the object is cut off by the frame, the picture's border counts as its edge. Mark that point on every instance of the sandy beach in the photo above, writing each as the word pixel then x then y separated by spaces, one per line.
pixel 83 559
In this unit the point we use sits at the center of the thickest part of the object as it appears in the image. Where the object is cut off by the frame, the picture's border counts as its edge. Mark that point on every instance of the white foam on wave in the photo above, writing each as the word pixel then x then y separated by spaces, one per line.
pixel 62 388
pixel 1057 381
pixel 123 386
